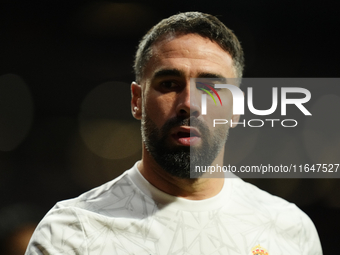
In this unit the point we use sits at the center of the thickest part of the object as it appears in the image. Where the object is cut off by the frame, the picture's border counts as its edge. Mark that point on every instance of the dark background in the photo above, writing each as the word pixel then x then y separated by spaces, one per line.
pixel 65 70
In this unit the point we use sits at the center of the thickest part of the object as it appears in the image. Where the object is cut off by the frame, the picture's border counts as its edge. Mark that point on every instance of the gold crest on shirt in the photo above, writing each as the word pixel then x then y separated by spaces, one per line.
pixel 258 250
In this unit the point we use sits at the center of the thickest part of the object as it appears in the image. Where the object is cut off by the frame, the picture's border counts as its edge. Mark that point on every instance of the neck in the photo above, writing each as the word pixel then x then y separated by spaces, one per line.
pixel 193 189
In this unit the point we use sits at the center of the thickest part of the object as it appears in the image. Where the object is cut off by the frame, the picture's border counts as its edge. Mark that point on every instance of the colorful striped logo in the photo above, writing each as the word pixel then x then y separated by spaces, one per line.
pixel 212 89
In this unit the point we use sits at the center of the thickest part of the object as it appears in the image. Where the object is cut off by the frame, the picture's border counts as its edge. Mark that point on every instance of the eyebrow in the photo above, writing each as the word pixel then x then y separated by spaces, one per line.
pixel 168 72
pixel 212 76
pixel 179 73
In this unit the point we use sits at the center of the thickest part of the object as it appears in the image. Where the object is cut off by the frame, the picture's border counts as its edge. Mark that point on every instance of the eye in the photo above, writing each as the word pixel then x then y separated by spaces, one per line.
pixel 169 85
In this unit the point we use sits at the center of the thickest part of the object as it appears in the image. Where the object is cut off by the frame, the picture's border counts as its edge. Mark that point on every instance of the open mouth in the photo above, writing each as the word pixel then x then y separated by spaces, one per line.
pixel 182 134
pixel 186 136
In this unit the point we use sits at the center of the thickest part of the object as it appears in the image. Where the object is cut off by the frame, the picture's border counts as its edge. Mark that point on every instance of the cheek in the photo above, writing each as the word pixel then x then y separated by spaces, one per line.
pixel 227 107
pixel 220 114
pixel 228 110
pixel 219 111
pixel 159 106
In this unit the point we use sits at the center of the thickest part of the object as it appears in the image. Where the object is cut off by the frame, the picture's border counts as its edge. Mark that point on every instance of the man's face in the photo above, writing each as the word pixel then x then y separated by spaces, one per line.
pixel 174 131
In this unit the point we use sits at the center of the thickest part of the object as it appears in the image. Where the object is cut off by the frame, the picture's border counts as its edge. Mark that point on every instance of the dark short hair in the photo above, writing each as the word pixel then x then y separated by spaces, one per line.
pixel 205 25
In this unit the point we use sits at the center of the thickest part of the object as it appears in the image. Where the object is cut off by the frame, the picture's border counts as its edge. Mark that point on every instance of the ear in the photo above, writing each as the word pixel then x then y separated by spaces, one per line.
pixel 136 100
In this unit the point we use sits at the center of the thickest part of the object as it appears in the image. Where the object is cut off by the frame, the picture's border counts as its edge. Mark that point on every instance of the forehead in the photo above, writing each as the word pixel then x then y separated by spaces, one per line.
pixel 191 54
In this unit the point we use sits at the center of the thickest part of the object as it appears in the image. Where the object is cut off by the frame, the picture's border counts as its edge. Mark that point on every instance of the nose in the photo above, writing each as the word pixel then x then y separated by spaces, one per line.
pixel 188 102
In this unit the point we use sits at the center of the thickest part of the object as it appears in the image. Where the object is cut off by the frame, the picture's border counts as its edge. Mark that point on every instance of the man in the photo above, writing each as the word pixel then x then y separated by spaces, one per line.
pixel 155 207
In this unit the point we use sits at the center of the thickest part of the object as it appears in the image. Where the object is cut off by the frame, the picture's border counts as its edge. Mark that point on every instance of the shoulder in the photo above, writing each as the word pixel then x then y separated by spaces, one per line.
pixel 99 198
pixel 63 228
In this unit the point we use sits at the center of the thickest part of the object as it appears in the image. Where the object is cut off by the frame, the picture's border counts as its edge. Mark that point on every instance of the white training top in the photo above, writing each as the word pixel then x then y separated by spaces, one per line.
pixel 128 215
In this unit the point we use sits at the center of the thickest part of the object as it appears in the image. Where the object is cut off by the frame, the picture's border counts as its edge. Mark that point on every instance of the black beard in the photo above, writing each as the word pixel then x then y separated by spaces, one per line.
pixel 180 161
